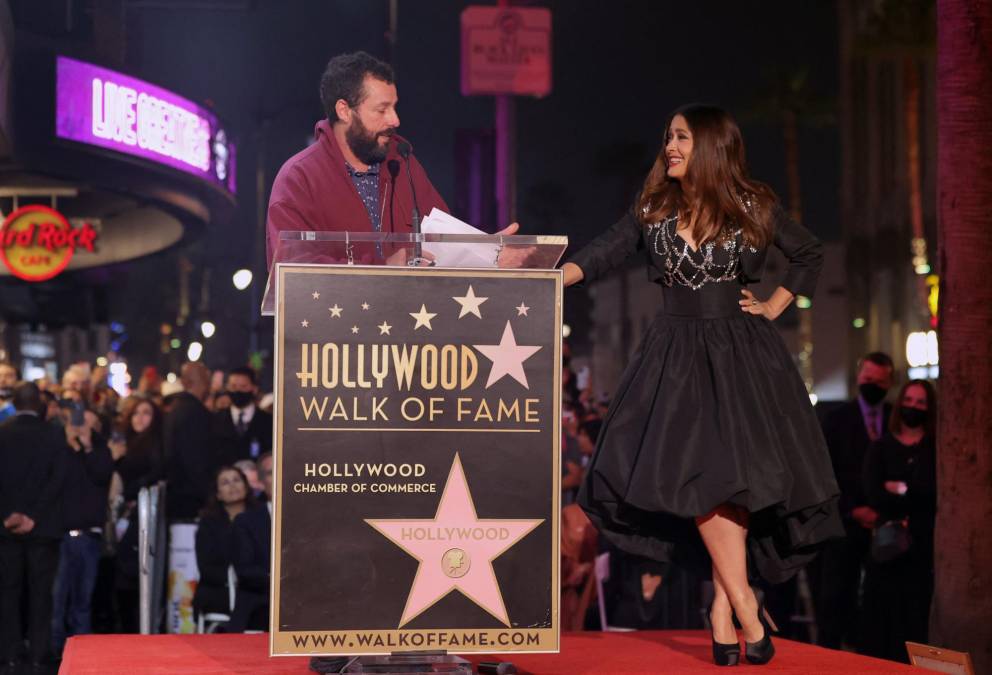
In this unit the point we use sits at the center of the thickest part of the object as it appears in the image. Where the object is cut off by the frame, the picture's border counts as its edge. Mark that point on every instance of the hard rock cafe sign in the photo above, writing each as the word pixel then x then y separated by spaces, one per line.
pixel 37 242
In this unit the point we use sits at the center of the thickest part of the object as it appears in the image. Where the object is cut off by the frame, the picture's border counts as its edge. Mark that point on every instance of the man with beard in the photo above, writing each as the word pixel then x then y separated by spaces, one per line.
pixel 849 430
pixel 352 178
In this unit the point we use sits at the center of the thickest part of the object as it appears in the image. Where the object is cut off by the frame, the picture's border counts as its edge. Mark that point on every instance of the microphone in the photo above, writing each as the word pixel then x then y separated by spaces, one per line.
pixel 403 148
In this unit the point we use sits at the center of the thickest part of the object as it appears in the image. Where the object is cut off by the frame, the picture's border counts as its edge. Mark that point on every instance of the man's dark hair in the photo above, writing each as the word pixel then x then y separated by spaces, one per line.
pixel 247 372
pixel 27 396
pixel 344 76
pixel 879 359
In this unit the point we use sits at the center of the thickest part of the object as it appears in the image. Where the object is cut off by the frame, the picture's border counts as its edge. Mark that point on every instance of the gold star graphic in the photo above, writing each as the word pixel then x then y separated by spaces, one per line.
pixel 335 311
pixel 423 318
pixel 365 306
pixel 384 329
pixel 354 330
pixel 305 323
pixel 470 303
pixel 522 309
pixel 316 295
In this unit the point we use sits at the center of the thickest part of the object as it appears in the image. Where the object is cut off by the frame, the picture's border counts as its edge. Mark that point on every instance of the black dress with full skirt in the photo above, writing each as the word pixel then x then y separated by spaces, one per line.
pixel 710 410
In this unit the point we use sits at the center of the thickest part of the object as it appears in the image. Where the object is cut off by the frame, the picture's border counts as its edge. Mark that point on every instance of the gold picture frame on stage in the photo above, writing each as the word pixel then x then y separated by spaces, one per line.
pixel 939 659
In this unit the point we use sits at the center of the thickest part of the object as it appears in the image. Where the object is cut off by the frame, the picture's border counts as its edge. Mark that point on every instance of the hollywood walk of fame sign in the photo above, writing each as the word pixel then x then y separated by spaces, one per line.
pixel 417 460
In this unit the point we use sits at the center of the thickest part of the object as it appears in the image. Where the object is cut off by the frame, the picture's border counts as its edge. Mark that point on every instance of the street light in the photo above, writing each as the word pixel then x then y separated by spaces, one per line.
pixel 208 329
pixel 922 355
pixel 242 279
pixel 195 351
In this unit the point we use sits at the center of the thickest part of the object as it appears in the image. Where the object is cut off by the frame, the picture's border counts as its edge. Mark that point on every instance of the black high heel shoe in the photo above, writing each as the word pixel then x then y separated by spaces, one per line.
pixel 761 652
pixel 725 654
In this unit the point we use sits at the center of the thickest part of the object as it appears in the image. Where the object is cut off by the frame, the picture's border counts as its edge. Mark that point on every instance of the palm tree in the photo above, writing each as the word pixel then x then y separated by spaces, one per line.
pixel 962 606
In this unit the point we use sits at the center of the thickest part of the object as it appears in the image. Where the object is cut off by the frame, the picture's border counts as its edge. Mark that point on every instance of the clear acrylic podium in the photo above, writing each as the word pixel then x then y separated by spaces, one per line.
pixel 434 251
pixel 462 251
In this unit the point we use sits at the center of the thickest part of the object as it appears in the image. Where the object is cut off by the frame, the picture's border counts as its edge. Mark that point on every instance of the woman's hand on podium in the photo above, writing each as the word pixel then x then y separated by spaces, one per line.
pixel 513 257
pixel 573 273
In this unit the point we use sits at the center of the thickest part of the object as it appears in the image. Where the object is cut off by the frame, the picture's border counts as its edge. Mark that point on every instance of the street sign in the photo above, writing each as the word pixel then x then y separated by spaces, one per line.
pixel 506 50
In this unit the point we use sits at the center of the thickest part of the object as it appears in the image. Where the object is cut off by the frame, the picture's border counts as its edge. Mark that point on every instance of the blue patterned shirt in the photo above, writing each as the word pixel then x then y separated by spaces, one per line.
pixel 367 184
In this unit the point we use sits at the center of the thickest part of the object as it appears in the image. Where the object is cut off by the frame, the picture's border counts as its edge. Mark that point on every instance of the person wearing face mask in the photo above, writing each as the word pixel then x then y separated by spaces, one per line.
pixel 836 576
pixel 900 480
pixel 242 431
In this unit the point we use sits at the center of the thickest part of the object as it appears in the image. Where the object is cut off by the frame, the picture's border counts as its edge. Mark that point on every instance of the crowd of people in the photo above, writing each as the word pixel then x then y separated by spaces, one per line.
pixel 74 455
pixel 868 591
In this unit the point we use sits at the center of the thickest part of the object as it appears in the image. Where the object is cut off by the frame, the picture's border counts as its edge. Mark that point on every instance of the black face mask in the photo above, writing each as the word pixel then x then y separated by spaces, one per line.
pixel 241 399
pixel 871 392
pixel 912 417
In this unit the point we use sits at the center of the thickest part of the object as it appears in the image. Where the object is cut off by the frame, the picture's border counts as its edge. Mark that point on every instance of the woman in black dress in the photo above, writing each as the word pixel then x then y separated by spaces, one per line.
pixel 139 461
pixel 711 438
pixel 215 539
pixel 900 475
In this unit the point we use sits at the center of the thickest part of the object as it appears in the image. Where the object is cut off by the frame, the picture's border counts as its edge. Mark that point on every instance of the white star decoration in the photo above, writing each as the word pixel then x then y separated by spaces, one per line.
pixel 470 303
pixel 384 328
pixel 522 309
pixel 316 295
pixel 335 311
pixel 365 305
pixel 508 358
pixel 423 318
pixel 305 323
pixel 354 330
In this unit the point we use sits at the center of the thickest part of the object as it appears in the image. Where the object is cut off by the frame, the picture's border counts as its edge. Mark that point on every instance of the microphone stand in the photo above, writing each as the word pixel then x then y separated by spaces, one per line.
pixel 404 150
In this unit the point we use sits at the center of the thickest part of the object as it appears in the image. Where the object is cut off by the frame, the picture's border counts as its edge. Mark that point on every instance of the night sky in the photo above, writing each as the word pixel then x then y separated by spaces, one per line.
pixel 619 69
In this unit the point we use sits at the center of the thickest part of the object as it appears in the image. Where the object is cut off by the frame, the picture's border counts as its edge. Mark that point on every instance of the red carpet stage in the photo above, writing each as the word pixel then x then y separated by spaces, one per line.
pixel 641 652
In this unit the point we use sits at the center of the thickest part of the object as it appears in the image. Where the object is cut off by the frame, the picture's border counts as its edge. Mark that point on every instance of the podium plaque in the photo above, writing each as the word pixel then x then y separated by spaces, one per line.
pixel 417 471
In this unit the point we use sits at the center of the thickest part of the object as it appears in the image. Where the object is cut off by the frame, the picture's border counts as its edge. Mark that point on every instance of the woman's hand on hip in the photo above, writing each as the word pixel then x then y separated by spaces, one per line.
pixel 770 308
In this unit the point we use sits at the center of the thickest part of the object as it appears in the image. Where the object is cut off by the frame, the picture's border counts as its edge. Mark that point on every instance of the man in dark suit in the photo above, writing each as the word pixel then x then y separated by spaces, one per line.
pixel 252 546
pixel 849 429
pixel 31 484
pixel 243 431
pixel 89 466
pixel 190 463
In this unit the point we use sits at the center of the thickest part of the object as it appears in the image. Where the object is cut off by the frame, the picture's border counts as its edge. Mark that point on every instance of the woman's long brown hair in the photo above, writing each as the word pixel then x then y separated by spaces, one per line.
pixel 716 185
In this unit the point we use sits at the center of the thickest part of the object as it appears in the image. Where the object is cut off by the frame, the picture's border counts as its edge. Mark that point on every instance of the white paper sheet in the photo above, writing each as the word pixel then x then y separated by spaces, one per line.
pixel 456 255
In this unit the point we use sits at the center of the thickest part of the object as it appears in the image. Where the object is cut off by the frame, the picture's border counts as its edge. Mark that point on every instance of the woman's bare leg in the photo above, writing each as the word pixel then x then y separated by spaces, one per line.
pixel 724 532
pixel 721 613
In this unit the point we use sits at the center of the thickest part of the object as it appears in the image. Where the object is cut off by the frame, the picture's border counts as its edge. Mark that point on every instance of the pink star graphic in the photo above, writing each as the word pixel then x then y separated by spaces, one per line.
pixel 508 358
pixel 455 549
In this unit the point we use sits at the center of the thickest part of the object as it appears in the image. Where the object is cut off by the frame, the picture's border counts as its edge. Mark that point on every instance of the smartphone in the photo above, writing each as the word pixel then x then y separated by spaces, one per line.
pixel 76 416
pixel 117 436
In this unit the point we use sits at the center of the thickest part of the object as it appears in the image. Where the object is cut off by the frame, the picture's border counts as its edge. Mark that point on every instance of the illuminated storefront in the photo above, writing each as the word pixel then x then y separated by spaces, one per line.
pixel 98 168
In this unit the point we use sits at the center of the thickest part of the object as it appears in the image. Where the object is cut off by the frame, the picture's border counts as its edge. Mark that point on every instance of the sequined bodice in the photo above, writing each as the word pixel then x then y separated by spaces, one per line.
pixel 714 262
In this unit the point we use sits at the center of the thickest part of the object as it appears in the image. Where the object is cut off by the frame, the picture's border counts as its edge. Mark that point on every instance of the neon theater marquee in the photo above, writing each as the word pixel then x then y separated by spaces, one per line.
pixel 104 108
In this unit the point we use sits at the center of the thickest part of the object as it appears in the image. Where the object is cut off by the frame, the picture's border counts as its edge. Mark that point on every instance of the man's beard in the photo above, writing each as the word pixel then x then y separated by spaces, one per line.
pixel 364 144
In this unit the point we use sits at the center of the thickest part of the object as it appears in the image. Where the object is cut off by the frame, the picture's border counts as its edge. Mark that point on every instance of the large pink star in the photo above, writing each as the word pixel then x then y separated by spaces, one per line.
pixel 455 549
pixel 508 358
